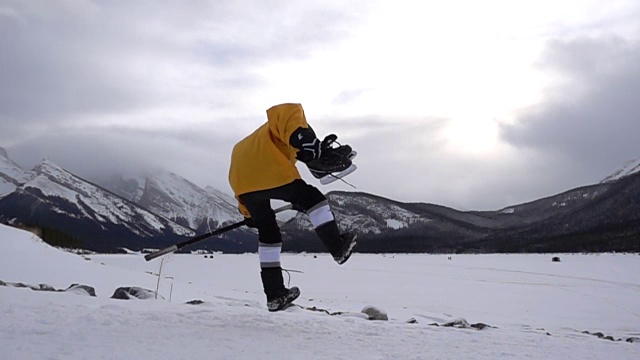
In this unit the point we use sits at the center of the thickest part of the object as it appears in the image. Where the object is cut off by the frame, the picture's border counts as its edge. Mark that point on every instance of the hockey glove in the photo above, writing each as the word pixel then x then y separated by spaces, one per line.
pixel 305 140
pixel 250 223
pixel 335 158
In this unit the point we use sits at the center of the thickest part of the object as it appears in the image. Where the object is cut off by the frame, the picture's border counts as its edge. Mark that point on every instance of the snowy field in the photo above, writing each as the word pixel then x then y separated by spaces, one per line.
pixel 537 309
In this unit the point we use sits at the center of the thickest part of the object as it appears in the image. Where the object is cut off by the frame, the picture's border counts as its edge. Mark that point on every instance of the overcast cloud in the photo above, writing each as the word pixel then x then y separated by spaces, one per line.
pixel 589 119
pixel 475 109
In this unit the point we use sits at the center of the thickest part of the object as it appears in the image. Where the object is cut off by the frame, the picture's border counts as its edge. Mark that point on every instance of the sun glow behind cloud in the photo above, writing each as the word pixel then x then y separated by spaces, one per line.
pixel 415 59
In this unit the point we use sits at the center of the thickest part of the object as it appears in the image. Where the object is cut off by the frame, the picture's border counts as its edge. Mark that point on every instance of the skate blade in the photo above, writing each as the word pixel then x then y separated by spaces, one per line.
pixel 328 179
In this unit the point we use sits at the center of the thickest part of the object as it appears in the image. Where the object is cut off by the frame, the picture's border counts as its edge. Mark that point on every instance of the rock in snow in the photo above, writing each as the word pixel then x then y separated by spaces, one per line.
pixel 464 324
pixel 133 292
pixel 81 290
pixel 375 313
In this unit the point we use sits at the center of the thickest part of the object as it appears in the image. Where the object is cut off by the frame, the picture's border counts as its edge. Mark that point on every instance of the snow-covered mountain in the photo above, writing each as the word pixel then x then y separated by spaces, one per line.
pixel 148 211
pixel 178 199
pixel 158 209
pixel 55 198
pixel 631 167
pixel 367 213
pixel 11 174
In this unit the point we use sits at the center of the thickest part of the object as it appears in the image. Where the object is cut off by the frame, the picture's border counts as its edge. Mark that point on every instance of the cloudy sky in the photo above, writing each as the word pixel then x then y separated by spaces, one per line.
pixel 473 105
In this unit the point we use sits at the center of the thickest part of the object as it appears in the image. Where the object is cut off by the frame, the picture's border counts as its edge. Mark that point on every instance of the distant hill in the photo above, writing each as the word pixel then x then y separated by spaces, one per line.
pixel 596 218
pixel 609 221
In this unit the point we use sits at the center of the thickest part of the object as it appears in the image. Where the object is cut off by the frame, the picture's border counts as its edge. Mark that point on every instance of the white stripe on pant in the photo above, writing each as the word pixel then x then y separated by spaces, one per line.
pixel 269 254
pixel 320 214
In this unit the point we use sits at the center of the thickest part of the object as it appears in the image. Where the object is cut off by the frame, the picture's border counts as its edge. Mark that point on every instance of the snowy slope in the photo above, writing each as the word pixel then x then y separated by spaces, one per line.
pixel 537 309
pixel 56 198
pixel 11 175
pixel 367 214
pixel 29 260
pixel 178 199
pixel 130 187
pixel 93 202
pixel 631 167
pixel 223 197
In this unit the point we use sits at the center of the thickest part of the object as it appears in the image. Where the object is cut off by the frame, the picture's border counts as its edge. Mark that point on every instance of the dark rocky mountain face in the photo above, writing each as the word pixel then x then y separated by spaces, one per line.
pixel 609 221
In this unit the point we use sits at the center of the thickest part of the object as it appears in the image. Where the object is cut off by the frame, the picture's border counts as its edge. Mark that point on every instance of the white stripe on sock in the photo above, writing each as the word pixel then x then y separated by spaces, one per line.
pixel 321 216
pixel 269 254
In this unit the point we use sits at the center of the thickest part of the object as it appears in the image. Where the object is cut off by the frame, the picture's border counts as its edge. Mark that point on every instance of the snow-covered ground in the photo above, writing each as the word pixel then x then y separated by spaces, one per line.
pixel 537 308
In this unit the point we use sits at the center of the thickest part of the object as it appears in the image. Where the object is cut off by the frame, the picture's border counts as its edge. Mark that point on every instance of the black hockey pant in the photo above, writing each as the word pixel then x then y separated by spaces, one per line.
pixel 303 197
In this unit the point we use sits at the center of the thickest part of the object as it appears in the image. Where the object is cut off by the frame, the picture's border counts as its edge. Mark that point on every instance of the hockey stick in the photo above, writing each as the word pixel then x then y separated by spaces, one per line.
pixel 196 239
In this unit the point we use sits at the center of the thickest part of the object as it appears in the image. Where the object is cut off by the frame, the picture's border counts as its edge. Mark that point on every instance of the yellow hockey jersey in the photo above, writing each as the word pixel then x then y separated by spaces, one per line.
pixel 265 159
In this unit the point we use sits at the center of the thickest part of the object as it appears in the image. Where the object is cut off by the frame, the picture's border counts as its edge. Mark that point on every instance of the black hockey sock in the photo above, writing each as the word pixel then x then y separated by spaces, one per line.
pixel 272 282
pixel 330 236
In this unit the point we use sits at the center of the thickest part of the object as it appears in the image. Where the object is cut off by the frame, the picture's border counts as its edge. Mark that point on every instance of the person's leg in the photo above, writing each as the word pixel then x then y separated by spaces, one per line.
pixel 269 245
pixel 309 199
pixel 304 197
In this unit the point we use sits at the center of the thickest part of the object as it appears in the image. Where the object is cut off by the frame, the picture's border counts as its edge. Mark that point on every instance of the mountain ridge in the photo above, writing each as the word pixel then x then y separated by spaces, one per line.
pixel 178 199
pixel 630 167
pixel 55 198
pixel 538 225
pixel 11 174
pixel 162 208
